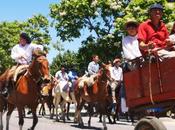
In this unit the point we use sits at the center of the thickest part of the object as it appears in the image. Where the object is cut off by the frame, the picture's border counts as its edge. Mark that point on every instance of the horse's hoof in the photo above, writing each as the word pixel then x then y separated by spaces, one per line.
pixel 105 128
pixel 89 124
pixel 68 118
pixel 81 125
pixel 30 129
pixel 57 120
pixel 75 120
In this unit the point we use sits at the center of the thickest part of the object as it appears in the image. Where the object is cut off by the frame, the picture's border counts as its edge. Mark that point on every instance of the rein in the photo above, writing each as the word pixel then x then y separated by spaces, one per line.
pixel 31 76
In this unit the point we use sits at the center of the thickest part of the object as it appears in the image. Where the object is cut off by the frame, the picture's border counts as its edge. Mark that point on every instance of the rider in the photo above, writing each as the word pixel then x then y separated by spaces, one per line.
pixel 153 34
pixel 22 54
pixel 93 69
pixel 63 81
pixel 73 76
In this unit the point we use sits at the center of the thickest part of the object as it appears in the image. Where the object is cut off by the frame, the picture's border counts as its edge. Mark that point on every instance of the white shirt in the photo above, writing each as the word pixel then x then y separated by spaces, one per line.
pixel 26 51
pixel 130 47
pixel 116 73
pixel 172 38
pixel 61 77
pixel 93 68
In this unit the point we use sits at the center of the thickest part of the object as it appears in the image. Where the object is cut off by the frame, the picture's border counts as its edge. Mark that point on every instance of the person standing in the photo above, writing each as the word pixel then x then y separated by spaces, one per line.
pixel 130 43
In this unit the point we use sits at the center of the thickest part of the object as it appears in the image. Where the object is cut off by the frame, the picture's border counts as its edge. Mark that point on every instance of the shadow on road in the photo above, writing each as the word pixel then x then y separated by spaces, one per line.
pixel 87 127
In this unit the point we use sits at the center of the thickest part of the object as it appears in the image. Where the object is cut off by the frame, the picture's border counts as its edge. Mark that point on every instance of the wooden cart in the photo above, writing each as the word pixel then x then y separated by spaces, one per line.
pixel 151 89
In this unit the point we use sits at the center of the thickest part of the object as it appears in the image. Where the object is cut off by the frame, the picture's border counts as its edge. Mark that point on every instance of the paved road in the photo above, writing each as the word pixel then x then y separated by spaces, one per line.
pixel 45 124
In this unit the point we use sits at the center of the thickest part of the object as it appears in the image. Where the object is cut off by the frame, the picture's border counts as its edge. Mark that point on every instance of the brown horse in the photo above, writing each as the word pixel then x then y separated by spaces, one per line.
pixel 3 92
pixel 98 94
pixel 25 91
pixel 46 97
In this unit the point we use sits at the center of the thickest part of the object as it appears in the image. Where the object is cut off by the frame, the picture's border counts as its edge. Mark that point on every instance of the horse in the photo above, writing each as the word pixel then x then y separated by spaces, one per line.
pixel 98 94
pixel 60 99
pixel 46 97
pixel 3 95
pixel 25 90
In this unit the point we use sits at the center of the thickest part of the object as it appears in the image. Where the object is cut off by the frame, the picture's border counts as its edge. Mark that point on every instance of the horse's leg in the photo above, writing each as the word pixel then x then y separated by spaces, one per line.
pixel 100 118
pixel 21 118
pixel 1 121
pixel 104 122
pixel 62 106
pixel 67 111
pixel 11 107
pixel 52 111
pixel 43 109
pixel 90 111
pixel 79 108
pixel 40 108
pixel 56 108
pixel 24 114
pixel 109 118
pixel 35 118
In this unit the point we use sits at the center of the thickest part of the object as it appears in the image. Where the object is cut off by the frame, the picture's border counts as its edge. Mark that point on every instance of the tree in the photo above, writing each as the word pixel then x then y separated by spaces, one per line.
pixel 97 18
pixel 36 27
pixel 68 59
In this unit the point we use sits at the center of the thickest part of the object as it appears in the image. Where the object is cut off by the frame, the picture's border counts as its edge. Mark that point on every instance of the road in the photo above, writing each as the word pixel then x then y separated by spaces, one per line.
pixel 45 123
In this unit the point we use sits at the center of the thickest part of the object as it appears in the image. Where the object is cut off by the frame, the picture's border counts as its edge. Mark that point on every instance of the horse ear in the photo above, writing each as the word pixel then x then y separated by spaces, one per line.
pixel 103 64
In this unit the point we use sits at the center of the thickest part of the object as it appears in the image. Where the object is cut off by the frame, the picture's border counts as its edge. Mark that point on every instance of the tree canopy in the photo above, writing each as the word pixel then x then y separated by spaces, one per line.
pixel 36 27
pixel 103 21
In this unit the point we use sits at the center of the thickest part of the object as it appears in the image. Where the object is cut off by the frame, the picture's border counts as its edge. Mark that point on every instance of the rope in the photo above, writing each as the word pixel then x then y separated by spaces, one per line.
pixel 159 74
pixel 150 87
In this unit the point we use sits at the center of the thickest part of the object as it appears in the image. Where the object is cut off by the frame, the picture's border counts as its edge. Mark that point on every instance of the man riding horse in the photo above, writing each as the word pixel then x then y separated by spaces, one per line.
pixel 22 54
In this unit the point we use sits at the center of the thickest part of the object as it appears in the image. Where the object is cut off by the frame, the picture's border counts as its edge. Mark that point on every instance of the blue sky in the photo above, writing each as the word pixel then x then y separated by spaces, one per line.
pixel 21 10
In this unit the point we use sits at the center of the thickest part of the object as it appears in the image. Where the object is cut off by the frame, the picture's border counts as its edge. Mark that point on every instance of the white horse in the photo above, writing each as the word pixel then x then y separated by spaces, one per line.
pixel 61 97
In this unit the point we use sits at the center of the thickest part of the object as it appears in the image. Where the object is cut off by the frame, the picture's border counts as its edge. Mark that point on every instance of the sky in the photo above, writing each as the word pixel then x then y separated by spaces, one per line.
pixel 21 10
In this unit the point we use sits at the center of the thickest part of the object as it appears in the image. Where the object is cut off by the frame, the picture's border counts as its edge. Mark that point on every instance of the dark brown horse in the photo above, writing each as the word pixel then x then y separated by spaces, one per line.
pixel 3 94
pixel 26 89
pixel 98 94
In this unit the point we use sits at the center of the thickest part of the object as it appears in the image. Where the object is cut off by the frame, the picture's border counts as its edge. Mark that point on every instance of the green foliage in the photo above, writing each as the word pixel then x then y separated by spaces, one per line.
pixel 36 27
pixel 96 17
pixel 68 59
pixel 103 21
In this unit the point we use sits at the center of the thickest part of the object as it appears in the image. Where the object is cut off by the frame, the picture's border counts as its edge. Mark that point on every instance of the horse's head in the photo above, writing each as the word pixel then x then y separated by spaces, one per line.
pixel 40 65
pixel 105 71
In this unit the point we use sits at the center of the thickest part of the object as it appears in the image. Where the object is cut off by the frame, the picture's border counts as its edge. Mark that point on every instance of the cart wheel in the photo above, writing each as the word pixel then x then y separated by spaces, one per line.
pixel 150 123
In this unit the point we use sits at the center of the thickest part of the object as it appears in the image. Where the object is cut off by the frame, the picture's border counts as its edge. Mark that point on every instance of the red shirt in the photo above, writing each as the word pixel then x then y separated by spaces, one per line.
pixel 147 32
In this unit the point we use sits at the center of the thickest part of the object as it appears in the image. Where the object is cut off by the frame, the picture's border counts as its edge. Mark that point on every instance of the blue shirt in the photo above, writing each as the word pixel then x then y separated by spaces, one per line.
pixel 72 75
